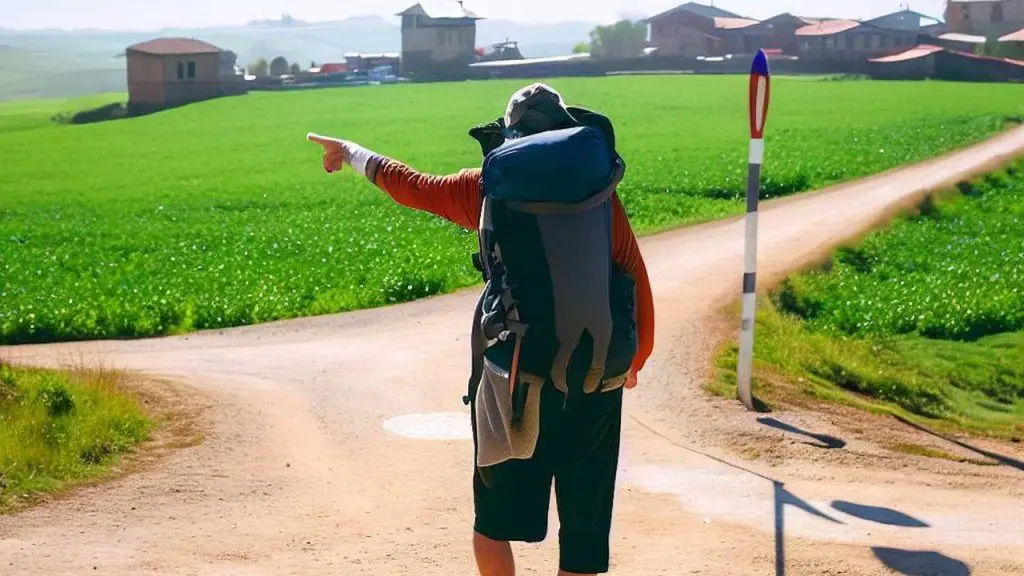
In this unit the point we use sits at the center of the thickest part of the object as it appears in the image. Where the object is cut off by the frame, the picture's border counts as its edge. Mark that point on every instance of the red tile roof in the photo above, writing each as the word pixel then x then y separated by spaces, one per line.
pixel 167 46
pixel 912 54
pixel 1017 36
pixel 827 28
pixel 927 49
pixel 723 23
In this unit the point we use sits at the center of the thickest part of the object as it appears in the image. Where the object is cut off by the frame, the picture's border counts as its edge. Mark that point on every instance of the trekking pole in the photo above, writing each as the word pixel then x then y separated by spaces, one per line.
pixel 760 88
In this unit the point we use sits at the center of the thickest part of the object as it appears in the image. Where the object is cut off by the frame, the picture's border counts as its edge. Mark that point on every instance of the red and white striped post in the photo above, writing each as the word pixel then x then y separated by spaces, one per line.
pixel 760 90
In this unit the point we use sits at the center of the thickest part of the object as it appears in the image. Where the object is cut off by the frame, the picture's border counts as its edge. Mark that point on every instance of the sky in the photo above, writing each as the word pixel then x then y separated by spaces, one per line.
pixel 156 14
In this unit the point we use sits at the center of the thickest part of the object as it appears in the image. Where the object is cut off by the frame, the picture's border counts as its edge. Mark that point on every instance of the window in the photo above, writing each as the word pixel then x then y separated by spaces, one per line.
pixel 191 70
pixel 876 40
pixel 849 42
pixel 997 12
pixel 181 70
pixel 830 43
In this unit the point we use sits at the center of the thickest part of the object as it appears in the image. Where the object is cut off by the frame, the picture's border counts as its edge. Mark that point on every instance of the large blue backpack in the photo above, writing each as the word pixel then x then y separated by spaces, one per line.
pixel 554 305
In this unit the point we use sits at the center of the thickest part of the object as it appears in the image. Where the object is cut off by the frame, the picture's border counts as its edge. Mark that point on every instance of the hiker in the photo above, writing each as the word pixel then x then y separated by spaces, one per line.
pixel 564 324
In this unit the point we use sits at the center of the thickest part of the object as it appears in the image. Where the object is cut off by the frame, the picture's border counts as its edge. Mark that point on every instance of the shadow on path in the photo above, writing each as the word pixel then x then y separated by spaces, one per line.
pixel 782 497
pixel 1004 460
pixel 878 514
pixel 823 440
pixel 920 563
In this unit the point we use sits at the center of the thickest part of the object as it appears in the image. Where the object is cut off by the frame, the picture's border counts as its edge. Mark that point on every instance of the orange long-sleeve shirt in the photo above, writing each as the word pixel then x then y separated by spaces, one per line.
pixel 458 197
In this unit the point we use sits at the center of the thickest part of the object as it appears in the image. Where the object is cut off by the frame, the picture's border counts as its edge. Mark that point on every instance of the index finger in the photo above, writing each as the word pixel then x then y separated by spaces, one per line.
pixel 325 141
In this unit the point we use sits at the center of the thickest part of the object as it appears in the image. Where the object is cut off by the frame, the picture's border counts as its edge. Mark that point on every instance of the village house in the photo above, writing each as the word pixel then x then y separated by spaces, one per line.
pixel 438 38
pixel 694 29
pixel 989 18
pixel 777 33
pixel 851 41
pixel 171 71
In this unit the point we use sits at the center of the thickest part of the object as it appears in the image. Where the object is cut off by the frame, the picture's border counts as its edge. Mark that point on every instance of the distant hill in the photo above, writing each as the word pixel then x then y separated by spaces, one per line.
pixel 62 63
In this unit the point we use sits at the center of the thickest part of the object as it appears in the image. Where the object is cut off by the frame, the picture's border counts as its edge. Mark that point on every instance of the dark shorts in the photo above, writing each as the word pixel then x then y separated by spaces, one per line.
pixel 578 449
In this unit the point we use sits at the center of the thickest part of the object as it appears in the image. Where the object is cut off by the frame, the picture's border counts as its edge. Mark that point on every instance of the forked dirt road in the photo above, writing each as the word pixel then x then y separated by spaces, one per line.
pixel 297 473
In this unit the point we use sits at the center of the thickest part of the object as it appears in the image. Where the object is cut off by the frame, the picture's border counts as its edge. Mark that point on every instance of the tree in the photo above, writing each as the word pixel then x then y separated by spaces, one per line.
pixel 278 66
pixel 296 69
pixel 259 67
pixel 581 48
pixel 228 59
pixel 624 39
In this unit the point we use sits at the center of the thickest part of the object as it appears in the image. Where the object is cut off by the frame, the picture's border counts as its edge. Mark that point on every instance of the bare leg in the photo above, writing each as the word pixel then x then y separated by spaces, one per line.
pixel 493 558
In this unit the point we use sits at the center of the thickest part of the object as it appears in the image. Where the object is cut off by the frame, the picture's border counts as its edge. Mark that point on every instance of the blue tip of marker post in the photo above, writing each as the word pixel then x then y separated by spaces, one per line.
pixel 760 66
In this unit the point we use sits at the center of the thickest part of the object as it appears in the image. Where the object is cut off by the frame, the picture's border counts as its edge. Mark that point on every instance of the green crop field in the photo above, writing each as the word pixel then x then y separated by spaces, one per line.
pixel 219 214
pixel 925 316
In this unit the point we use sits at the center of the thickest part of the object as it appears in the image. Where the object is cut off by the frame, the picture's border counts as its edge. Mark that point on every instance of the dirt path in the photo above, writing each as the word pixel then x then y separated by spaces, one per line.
pixel 298 475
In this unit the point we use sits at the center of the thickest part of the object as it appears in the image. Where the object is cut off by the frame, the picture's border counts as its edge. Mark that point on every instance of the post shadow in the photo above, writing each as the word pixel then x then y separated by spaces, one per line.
pixel 781 498
pixel 1004 460
pixel 920 563
pixel 826 441
pixel 878 514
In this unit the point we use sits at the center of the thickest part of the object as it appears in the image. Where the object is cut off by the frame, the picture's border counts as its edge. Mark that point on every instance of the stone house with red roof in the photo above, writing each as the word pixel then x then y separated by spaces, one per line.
pixel 172 71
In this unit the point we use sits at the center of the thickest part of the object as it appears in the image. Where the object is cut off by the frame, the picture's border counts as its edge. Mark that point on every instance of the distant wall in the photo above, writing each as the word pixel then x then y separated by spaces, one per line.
pixel 145 78
pixel 598 67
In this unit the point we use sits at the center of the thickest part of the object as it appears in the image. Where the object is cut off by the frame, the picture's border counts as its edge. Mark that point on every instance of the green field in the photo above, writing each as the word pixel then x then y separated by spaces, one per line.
pixel 925 317
pixel 218 214
pixel 34 114
pixel 57 429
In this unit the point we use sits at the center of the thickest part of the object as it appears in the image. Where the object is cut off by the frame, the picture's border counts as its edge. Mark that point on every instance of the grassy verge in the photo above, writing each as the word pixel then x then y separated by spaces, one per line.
pixel 924 319
pixel 57 429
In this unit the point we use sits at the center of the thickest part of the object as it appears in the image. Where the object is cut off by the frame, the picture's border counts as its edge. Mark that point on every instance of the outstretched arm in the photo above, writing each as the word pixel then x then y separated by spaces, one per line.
pixel 626 253
pixel 455 197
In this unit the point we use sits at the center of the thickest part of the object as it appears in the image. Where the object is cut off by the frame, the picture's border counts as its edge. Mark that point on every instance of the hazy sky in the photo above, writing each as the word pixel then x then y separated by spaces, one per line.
pixel 155 14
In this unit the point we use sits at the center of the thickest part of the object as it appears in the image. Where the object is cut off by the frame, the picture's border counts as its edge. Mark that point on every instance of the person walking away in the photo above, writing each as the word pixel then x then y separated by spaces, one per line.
pixel 564 324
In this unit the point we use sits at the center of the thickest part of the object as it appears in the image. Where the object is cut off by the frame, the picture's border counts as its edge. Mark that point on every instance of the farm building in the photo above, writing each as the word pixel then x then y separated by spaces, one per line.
pixel 909 21
pixel 438 39
pixel 928 61
pixel 368 61
pixel 171 71
pixel 989 18
pixel 850 41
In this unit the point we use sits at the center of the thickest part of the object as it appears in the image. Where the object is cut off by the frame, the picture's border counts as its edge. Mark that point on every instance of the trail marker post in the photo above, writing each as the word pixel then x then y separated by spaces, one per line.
pixel 760 90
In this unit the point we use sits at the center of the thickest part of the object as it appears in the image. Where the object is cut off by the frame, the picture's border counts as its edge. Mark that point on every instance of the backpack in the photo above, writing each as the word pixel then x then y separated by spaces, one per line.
pixel 554 305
